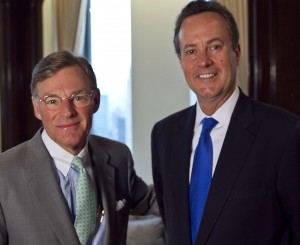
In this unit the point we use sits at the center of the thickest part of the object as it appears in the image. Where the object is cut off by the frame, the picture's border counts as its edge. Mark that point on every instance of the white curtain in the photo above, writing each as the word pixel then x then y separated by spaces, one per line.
pixel 240 12
pixel 69 25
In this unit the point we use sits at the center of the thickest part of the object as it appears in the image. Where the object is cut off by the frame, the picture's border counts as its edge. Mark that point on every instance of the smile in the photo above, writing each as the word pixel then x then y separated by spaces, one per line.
pixel 207 75
pixel 68 125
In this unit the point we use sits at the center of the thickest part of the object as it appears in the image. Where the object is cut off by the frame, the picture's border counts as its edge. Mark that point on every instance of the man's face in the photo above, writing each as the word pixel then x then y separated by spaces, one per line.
pixel 207 58
pixel 68 125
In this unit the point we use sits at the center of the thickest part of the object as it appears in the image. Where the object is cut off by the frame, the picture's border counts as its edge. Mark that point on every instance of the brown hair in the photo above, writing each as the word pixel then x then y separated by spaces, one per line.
pixel 200 6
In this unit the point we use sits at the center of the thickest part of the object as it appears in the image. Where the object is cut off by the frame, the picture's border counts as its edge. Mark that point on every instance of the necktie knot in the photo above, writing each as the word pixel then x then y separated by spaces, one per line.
pixel 208 124
pixel 77 163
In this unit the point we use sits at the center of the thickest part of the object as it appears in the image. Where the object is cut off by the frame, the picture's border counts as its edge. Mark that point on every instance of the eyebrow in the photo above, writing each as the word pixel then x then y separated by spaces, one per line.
pixel 189 46
pixel 217 39
pixel 74 92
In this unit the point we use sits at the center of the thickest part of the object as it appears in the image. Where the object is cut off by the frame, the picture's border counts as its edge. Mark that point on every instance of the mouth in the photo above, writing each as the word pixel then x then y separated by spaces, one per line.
pixel 68 125
pixel 207 75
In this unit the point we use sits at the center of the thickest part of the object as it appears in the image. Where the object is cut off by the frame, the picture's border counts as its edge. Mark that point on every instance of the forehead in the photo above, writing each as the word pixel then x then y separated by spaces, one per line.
pixel 68 76
pixel 203 25
pixel 67 79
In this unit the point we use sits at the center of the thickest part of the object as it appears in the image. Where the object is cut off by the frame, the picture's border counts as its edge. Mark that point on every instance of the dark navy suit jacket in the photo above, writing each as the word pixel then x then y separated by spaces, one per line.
pixel 254 196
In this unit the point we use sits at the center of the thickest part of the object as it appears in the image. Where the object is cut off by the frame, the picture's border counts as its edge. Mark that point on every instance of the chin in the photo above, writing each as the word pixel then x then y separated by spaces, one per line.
pixel 208 93
pixel 71 143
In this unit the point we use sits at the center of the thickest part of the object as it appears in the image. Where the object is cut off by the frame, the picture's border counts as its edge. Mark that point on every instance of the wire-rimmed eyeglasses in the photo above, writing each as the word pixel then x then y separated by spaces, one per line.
pixel 81 99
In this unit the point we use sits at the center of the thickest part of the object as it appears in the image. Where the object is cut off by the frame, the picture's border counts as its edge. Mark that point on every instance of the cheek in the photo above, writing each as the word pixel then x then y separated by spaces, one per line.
pixel 46 116
pixel 86 114
pixel 188 67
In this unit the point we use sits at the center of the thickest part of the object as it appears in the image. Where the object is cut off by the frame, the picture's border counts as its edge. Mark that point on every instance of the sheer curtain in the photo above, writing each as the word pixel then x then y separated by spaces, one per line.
pixel 68 25
pixel 239 10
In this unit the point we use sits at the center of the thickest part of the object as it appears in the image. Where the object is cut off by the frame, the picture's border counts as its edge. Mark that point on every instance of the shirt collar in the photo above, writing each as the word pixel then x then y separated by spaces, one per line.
pixel 62 159
pixel 223 114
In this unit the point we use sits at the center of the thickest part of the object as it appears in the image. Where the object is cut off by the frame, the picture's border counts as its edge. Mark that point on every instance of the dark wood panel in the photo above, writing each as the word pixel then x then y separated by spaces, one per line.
pixel 288 55
pixel 274 65
pixel 21 48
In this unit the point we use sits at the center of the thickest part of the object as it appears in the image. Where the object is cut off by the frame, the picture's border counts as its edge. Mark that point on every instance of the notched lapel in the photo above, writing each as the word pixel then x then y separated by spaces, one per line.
pixel 105 180
pixel 45 188
pixel 237 144
pixel 179 142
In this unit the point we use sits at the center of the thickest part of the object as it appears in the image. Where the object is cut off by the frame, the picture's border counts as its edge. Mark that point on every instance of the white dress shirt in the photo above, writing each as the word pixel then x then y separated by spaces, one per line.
pixel 67 177
pixel 223 116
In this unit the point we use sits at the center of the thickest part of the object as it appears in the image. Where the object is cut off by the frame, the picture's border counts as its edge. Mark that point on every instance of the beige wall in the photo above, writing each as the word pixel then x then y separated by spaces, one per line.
pixel 158 85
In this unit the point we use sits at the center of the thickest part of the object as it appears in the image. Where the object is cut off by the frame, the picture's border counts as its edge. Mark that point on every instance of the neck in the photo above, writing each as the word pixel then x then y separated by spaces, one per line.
pixel 210 106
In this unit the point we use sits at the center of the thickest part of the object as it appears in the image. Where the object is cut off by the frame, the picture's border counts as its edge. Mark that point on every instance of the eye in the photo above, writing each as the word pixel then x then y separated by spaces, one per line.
pixel 80 97
pixel 215 47
pixel 52 100
pixel 190 52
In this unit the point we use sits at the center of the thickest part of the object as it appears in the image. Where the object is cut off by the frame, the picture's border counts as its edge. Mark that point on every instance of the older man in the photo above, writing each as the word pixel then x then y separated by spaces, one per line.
pixel 65 186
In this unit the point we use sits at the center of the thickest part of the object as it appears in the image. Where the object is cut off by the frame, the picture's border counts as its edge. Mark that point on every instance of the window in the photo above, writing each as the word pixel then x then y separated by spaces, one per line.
pixel 111 60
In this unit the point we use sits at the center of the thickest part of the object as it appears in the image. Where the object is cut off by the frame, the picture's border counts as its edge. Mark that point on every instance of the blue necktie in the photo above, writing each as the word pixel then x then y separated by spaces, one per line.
pixel 201 175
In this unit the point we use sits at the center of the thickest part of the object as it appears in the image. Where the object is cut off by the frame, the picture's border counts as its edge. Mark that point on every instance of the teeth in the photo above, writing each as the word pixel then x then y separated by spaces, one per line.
pixel 206 75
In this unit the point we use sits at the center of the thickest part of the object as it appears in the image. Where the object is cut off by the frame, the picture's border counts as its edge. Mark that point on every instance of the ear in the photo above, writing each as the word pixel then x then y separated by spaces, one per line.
pixel 96 100
pixel 237 52
pixel 179 59
pixel 36 108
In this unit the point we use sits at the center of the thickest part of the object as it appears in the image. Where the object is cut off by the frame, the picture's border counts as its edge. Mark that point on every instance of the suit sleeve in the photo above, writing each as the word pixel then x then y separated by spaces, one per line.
pixel 157 178
pixel 143 198
pixel 289 185
pixel 3 230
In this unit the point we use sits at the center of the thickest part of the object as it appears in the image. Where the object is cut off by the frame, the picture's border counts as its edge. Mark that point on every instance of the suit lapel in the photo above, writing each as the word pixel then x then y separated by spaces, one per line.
pixel 179 163
pixel 237 143
pixel 44 185
pixel 104 177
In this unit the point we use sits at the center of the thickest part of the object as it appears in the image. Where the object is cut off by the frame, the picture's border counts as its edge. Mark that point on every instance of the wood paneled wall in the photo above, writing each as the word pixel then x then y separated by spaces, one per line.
pixel 21 48
pixel 274 38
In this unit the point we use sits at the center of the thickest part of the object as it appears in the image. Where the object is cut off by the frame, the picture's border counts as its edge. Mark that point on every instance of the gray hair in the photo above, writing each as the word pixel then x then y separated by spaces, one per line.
pixel 56 61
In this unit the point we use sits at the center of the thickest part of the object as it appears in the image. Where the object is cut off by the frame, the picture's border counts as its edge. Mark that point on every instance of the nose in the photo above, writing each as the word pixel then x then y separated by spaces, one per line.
pixel 67 108
pixel 204 59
